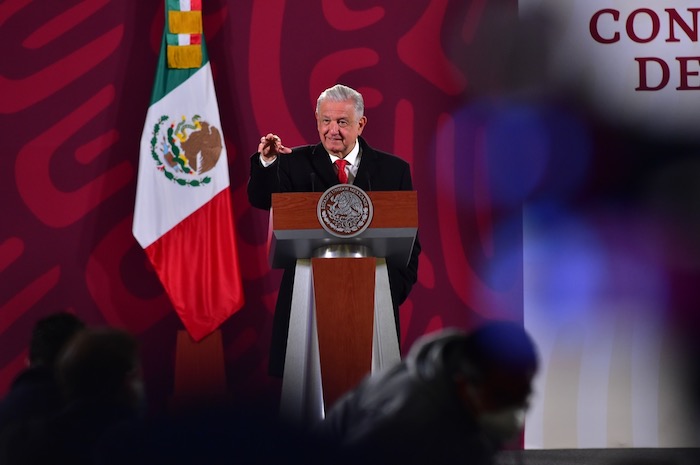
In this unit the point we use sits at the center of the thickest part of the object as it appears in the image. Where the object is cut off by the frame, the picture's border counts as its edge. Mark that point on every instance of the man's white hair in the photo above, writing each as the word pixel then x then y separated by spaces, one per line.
pixel 341 93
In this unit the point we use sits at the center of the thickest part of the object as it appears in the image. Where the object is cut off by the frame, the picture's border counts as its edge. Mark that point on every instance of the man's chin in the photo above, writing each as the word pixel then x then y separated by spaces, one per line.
pixel 335 150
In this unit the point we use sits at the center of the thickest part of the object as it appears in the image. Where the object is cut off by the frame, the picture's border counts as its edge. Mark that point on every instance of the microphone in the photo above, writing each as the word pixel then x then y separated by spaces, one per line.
pixel 369 183
pixel 312 175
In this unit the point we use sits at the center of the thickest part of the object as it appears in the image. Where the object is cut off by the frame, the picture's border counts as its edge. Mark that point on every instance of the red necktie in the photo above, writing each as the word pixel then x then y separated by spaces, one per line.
pixel 342 175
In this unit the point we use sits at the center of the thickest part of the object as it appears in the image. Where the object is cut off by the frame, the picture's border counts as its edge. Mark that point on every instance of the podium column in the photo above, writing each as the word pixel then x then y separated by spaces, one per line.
pixel 336 336
pixel 344 295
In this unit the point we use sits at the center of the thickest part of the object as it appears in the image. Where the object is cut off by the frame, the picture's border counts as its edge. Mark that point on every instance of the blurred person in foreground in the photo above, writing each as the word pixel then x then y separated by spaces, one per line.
pixel 99 373
pixel 456 398
pixel 34 393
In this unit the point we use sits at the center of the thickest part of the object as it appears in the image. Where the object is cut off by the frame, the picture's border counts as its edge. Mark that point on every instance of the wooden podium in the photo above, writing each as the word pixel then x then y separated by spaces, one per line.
pixel 342 321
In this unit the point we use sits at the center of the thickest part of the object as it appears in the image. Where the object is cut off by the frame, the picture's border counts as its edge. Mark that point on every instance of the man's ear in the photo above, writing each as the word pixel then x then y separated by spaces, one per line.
pixel 361 124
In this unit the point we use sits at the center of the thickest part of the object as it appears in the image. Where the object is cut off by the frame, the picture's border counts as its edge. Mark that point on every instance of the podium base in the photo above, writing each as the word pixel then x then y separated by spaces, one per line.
pixel 307 390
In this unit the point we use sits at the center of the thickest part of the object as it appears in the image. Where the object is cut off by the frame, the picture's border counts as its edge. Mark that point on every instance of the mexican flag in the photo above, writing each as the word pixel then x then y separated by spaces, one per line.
pixel 183 217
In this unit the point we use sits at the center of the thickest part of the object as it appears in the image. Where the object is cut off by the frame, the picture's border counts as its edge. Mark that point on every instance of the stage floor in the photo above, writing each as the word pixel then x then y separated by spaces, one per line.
pixel 632 456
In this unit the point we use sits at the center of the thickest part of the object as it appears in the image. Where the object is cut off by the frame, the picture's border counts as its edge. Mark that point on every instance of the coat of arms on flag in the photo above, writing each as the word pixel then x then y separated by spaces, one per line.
pixel 184 151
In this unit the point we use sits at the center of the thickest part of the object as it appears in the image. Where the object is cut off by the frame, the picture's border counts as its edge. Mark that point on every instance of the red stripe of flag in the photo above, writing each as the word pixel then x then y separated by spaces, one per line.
pixel 201 249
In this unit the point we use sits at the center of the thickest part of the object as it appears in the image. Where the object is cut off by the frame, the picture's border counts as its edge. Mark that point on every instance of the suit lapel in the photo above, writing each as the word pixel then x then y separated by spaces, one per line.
pixel 368 166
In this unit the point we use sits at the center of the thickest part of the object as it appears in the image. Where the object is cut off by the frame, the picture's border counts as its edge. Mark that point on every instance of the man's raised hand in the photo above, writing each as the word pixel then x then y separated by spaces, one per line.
pixel 270 146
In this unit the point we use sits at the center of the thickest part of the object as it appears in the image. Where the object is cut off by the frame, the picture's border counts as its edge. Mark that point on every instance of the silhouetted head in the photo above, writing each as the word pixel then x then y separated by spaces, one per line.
pixel 102 363
pixel 50 335
pixel 496 365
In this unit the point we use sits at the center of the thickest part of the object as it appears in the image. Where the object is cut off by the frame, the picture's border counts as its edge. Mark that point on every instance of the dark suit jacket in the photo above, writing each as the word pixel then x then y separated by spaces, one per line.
pixel 308 169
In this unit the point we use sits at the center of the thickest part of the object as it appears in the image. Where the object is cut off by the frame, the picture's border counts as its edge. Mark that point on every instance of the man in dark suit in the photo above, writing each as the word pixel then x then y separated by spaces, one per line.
pixel 341 156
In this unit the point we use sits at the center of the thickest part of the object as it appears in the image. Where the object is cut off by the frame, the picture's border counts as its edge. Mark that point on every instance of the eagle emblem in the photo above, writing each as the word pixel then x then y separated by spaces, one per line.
pixel 185 151
pixel 344 210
